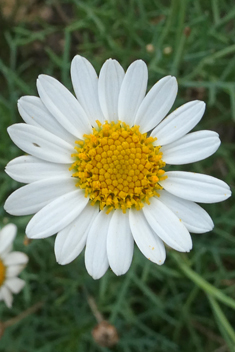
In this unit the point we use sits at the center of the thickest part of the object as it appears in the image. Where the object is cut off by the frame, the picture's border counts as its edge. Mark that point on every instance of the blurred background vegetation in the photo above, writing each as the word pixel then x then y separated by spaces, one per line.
pixel 188 304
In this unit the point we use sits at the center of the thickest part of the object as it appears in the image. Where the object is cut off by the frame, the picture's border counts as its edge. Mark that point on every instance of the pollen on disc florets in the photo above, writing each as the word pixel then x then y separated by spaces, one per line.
pixel 118 166
pixel 2 273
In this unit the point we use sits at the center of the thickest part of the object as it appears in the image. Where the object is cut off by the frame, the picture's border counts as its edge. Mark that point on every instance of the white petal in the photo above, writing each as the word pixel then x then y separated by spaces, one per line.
pixel 146 239
pixel 156 104
pixel 110 80
pixel 14 270
pixel 6 251
pixel 190 148
pixel 179 122
pixel 34 112
pixel 7 296
pixel 194 217
pixel 15 258
pixel 96 259
pixel 132 91
pixel 56 215
pixel 7 236
pixel 63 106
pixel 85 84
pixel 31 198
pixel 120 243
pixel 40 143
pixel 29 169
pixel 196 187
pixel 72 239
pixel 167 226
pixel 15 284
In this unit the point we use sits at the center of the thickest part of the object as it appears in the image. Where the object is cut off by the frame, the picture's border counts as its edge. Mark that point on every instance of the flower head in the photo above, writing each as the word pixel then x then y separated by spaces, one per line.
pixel 95 172
pixel 11 264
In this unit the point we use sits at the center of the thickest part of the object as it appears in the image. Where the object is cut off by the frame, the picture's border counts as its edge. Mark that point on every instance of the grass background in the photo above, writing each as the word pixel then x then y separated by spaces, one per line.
pixel 188 304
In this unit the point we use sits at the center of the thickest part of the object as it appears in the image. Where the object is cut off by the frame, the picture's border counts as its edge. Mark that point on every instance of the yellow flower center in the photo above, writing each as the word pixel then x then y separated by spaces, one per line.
pixel 118 166
pixel 2 273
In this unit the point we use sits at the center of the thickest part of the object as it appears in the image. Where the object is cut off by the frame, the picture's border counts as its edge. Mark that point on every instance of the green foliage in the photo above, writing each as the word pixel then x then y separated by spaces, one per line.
pixel 188 303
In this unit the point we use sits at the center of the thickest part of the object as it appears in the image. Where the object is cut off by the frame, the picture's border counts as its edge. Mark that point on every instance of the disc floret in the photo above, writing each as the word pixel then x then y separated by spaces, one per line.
pixel 118 166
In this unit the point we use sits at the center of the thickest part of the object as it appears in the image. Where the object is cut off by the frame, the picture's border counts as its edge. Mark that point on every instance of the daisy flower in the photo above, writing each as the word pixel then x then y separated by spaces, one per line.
pixel 95 169
pixel 11 264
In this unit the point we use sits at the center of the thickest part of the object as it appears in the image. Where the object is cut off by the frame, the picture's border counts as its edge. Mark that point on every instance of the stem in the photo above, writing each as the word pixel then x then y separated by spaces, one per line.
pixel 90 300
pixel 23 315
pixel 203 284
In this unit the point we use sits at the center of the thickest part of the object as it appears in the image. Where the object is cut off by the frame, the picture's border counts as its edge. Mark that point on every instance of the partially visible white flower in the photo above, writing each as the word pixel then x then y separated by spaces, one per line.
pixel 95 170
pixel 11 264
